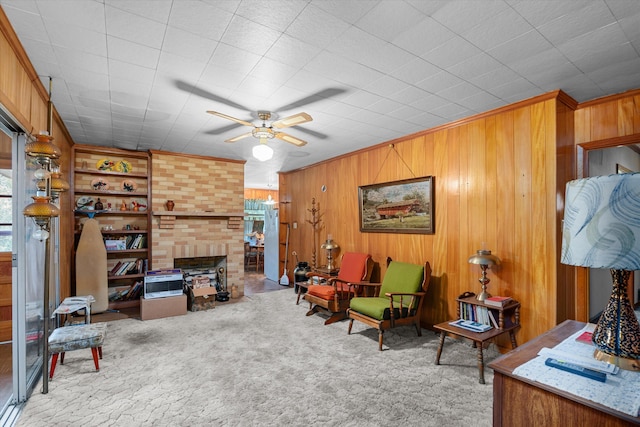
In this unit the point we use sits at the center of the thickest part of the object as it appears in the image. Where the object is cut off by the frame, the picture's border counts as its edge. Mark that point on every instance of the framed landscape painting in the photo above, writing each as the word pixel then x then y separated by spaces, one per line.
pixel 405 206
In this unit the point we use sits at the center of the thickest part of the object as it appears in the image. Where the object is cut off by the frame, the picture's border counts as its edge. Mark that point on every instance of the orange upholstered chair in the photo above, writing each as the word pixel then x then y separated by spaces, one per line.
pixel 333 297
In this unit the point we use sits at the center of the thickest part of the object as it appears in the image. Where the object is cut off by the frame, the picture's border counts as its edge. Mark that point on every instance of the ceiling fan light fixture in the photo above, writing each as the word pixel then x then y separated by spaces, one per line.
pixel 262 152
pixel 263 133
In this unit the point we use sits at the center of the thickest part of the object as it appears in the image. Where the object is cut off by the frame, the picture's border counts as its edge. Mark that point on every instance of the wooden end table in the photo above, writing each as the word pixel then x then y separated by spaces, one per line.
pixel 509 321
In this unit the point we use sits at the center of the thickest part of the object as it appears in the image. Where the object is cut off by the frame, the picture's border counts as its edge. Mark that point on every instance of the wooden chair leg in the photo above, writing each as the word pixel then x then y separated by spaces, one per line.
pixel 418 328
pixel 94 352
pixel 380 332
pixel 54 361
pixel 350 326
pixel 312 309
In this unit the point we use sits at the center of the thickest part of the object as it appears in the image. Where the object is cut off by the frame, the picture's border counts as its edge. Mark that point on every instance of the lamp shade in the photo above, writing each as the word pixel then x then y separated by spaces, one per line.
pixel 43 148
pixel 262 152
pixel 484 257
pixel 602 222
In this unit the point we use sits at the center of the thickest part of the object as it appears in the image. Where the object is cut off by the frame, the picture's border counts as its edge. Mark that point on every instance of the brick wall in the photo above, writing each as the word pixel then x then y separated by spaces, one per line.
pixel 198 184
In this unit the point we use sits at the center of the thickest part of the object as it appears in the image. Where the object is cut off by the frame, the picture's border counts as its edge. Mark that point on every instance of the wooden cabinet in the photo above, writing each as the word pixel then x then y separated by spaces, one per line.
pixel 119 183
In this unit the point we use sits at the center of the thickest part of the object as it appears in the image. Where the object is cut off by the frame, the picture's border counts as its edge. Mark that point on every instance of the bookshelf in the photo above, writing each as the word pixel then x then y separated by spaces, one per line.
pixel 116 184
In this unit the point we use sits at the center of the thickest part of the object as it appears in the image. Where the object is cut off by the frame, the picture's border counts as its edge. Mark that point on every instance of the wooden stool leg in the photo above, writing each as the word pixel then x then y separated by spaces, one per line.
pixel 100 352
pixel 54 361
pixel 94 352
pixel 62 358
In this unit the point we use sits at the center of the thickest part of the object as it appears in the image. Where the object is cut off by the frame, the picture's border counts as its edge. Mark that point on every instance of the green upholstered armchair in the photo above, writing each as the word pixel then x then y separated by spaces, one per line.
pixel 333 297
pixel 399 301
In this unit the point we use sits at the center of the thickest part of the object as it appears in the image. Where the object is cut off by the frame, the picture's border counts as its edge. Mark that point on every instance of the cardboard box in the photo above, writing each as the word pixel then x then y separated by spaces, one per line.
pixel 157 308
pixel 201 298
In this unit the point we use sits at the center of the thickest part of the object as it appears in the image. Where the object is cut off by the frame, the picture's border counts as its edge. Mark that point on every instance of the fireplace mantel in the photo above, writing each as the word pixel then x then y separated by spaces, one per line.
pixel 168 218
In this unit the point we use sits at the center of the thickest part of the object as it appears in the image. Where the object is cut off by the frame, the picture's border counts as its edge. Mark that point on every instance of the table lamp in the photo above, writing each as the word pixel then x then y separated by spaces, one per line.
pixel 330 246
pixel 602 230
pixel 484 259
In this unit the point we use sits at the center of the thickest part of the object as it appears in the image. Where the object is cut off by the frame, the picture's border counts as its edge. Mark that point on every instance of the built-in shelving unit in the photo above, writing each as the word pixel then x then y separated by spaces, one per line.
pixel 121 181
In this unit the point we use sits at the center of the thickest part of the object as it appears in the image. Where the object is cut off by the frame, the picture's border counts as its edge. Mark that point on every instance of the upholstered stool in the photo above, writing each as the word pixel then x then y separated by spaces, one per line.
pixel 69 338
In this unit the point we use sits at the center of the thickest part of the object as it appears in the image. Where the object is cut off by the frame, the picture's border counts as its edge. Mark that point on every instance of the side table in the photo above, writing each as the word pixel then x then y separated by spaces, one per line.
pixel 508 322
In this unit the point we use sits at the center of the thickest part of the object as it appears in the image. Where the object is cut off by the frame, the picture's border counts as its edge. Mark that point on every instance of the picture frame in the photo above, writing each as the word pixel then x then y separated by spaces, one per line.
pixel 404 206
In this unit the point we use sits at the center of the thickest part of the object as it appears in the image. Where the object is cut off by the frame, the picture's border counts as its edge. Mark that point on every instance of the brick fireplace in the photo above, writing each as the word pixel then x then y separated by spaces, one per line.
pixel 208 194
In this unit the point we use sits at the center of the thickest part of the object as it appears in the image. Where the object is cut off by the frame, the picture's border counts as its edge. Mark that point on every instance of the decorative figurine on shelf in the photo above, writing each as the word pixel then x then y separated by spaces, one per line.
pixel 170 205
pixel 134 206
pixel 98 205
pixel 123 206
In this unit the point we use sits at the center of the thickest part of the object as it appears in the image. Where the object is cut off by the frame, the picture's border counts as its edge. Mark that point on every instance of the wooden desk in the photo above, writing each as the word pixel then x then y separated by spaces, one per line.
pixel 522 402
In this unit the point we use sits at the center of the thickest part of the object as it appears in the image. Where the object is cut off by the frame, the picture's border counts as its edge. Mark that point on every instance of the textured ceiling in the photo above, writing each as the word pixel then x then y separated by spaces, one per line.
pixel 142 74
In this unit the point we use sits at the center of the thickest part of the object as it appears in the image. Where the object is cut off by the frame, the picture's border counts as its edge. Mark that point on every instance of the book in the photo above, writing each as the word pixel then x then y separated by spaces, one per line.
pixel 115 268
pixel 585 338
pixel 471 325
pixel 493 319
pixel 497 301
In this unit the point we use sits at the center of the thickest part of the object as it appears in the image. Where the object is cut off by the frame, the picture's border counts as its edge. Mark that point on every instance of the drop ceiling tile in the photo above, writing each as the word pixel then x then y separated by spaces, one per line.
pixel 423 37
pixel 27 22
pixel 349 11
pixel 156 10
pixel 134 28
pixel 132 53
pixel 275 14
pixel 593 42
pixel 204 20
pixel 92 14
pixel 429 103
pixel 291 51
pixel 497 29
pixel 182 43
pixel 459 91
pixel 452 110
pixel 584 20
pixel 238 60
pixel 387 86
pixel 527 44
pixel 607 55
pixel 131 73
pixel 494 78
pixel 481 101
pixel 451 52
pixel 537 15
pixel 479 64
pixel 276 73
pixel 459 16
pixel 249 35
pixel 388 19
pixel 369 50
pixel 188 69
pixel 317 27
pixel 438 82
pixel 78 39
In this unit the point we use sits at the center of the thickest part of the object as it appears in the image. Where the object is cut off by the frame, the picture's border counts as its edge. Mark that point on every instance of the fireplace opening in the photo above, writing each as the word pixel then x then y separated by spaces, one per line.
pixel 213 267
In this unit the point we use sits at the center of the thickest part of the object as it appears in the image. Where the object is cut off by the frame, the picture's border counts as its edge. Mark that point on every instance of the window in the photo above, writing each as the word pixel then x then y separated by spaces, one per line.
pixel 5 210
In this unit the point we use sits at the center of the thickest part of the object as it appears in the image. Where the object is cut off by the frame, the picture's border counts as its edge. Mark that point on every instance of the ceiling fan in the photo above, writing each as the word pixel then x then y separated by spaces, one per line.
pixel 266 131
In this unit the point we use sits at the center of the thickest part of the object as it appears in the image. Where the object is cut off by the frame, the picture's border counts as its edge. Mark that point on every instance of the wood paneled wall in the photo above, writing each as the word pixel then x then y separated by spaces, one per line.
pixel 496 187
pixel 260 194
pixel 26 99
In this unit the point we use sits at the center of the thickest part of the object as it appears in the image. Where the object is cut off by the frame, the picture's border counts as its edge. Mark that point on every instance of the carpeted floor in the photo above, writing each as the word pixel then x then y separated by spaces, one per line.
pixel 262 362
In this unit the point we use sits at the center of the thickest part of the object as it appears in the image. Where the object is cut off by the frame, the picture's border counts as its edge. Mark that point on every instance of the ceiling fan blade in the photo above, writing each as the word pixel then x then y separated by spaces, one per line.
pixel 224 116
pixel 294 120
pixel 186 87
pixel 290 139
pixel 315 97
pixel 236 138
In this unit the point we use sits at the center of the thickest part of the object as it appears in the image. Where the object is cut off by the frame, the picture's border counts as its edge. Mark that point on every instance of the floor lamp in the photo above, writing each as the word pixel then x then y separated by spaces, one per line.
pixel 44 152
pixel 602 230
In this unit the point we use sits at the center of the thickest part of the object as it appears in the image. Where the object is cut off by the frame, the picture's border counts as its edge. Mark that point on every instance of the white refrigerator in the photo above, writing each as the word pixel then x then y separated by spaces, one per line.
pixel 271 245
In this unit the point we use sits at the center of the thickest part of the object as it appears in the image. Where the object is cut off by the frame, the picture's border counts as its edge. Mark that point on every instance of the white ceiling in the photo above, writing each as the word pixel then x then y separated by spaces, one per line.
pixel 140 74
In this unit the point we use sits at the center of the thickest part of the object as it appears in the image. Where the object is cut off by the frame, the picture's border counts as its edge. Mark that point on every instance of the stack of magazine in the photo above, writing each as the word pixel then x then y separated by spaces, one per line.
pixel 471 325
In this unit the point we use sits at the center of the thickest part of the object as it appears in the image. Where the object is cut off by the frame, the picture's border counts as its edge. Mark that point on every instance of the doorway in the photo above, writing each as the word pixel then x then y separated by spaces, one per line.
pixel 607 161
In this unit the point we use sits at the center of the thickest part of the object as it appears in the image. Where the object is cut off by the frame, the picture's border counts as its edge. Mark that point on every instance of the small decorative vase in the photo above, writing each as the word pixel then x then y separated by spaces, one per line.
pixel 170 205
pixel 234 291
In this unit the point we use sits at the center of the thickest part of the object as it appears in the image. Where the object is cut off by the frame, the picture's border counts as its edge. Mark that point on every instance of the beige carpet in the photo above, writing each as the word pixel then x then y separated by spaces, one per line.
pixel 262 362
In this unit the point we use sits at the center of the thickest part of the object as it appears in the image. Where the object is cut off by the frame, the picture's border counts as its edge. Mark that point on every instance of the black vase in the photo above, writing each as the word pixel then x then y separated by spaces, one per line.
pixel 300 275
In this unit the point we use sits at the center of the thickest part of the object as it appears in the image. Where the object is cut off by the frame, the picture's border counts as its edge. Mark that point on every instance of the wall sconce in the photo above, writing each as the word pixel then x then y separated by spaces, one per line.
pixel 602 230
pixel 484 258
pixel 330 246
